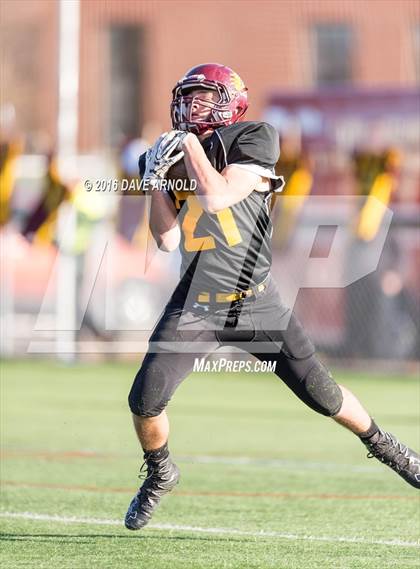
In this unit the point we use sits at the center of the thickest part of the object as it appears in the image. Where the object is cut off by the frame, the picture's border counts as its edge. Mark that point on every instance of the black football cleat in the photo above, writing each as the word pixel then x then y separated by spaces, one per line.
pixel 404 461
pixel 162 476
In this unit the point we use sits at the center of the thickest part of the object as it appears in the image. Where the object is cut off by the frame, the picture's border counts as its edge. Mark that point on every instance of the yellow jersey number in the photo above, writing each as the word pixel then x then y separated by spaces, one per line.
pixel 190 222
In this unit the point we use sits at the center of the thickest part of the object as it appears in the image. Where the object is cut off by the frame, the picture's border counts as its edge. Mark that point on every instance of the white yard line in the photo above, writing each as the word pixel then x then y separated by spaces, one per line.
pixel 220 531
pixel 285 464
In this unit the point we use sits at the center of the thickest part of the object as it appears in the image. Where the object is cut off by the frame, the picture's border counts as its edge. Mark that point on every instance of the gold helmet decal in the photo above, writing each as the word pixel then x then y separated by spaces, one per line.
pixel 237 82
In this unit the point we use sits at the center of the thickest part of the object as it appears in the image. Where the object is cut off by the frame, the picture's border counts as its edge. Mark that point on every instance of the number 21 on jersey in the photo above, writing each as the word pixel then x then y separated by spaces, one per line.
pixel 189 225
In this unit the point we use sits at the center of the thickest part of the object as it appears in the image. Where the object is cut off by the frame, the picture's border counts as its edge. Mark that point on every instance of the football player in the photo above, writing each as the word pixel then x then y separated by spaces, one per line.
pixel 226 295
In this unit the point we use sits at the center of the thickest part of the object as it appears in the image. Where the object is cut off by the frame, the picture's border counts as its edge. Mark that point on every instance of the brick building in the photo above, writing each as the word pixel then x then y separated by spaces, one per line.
pixel 133 51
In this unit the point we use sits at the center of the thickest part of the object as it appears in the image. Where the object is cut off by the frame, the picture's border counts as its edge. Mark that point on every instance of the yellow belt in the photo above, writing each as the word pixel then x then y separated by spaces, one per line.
pixel 230 296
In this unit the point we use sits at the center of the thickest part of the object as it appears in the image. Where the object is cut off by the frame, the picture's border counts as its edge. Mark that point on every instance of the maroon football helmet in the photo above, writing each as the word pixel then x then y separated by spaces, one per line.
pixel 187 111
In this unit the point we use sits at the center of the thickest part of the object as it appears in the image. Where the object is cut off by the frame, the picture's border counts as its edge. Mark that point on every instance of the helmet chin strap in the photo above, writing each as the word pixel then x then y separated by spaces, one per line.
pixel 194 128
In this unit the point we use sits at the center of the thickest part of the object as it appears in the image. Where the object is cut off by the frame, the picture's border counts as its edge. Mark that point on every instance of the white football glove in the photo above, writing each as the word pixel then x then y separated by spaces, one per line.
pixel 160 157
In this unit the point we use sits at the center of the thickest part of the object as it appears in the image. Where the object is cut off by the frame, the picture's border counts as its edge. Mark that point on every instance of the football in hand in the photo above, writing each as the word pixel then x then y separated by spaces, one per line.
pixel 178 171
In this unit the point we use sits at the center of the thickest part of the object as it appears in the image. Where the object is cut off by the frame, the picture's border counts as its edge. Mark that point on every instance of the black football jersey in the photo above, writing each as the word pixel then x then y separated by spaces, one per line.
pixel 231 249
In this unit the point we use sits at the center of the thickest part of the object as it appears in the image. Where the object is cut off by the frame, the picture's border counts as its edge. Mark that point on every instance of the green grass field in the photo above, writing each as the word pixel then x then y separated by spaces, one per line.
pixel 266 483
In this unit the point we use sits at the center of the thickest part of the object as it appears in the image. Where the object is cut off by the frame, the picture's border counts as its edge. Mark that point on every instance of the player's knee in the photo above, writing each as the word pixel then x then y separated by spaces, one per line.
pixel 143 407
pixel 145 403
pixel 324 393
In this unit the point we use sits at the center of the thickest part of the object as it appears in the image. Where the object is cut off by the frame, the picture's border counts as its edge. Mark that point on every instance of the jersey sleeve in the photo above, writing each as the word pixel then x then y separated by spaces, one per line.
pixel 256 149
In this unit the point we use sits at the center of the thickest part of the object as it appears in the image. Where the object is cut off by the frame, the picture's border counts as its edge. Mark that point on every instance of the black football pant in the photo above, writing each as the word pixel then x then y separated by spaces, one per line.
pixel 261 326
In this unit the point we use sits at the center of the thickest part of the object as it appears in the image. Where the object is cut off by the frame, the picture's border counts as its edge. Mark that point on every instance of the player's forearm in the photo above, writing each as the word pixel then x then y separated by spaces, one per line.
pixel 211 186
pixel 163 223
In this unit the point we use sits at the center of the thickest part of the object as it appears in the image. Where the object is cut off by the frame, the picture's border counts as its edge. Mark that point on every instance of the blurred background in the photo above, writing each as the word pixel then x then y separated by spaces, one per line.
pixel 86 87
